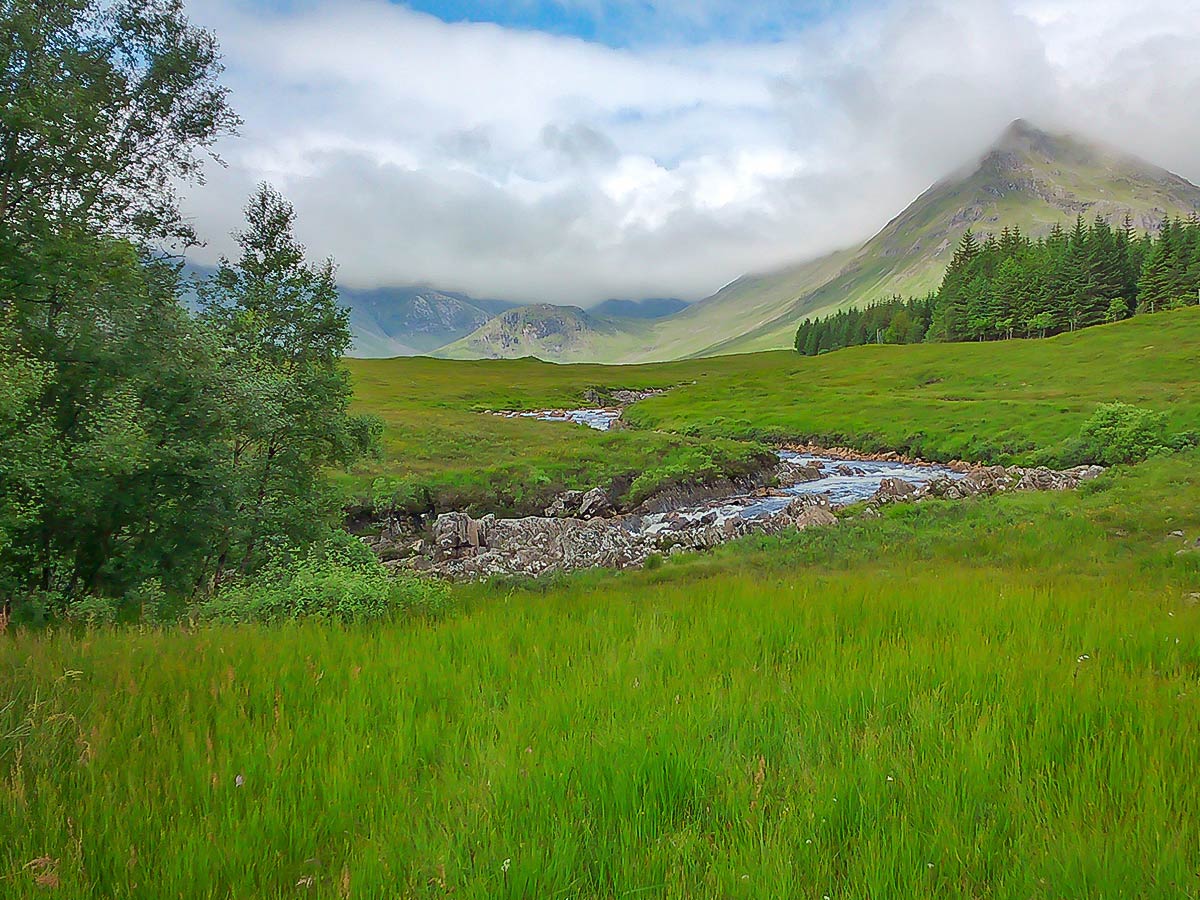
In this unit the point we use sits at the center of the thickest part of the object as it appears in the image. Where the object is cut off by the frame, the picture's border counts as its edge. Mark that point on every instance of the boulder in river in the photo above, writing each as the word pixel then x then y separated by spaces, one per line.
pixel 892 490
pixel 790 473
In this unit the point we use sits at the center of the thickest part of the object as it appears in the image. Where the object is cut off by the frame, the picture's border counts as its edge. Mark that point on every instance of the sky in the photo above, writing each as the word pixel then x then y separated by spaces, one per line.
pixel 569 151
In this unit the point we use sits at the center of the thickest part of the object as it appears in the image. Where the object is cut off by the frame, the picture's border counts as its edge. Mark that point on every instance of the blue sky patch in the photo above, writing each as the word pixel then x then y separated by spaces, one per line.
pixel 645 23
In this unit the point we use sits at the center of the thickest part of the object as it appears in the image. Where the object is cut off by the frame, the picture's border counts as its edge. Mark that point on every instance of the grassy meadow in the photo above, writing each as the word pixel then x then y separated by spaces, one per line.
pixel 994 698
pixel 986 699
pixel 1014 401
pixel 440 450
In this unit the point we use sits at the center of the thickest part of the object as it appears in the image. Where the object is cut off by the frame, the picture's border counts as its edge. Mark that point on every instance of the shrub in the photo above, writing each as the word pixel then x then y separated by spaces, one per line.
pixel 1120 433
pixel 38 609
pixel 149 600
pixel 92 611
pixel 340 579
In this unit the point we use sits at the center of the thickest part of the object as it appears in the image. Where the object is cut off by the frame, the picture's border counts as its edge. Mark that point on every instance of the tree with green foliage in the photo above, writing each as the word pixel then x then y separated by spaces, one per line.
pixel 105 107
pixel 1010 285
pixel 124 413
pixel 950 316
pixel 143 449
pixel 282 335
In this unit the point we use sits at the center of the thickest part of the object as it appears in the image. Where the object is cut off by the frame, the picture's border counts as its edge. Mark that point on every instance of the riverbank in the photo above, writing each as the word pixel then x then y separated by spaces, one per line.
pixel 584 530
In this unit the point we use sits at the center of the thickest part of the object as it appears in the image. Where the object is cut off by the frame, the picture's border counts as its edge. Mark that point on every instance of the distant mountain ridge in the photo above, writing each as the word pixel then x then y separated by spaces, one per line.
pixel 562 333
pixel 416 320
pixel 407 321
pixel 1027 178
pixel 650 308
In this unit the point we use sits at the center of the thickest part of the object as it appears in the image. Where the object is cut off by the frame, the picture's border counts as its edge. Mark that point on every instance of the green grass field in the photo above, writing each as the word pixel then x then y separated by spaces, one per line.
pixel 993 402
pixel 442 451
pixel 990 699
pixel 995 698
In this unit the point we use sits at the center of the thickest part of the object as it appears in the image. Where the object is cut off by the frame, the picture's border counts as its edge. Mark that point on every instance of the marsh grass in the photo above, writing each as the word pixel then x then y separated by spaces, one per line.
pixel 988 699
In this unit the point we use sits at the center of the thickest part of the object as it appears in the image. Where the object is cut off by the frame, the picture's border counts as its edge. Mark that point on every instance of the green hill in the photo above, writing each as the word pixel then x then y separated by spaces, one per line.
pixel 1028 178
pixel 997 401
pixel 559 333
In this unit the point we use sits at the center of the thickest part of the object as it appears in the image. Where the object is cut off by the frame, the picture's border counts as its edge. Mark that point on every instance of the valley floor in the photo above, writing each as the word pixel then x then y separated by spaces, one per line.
pixel 991 698
pixel 998 402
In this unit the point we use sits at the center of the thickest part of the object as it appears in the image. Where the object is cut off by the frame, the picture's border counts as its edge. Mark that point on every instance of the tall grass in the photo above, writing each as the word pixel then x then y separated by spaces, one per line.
pixel 995 699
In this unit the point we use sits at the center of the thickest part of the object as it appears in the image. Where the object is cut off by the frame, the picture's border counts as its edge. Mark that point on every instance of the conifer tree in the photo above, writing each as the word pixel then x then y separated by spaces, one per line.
pixel 1154 287
pixel 950 318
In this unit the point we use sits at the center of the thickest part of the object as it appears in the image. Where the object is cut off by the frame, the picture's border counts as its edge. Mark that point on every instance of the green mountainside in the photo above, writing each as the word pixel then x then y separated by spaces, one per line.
pixel 408 321
pixel 546 331
pixel 1028 178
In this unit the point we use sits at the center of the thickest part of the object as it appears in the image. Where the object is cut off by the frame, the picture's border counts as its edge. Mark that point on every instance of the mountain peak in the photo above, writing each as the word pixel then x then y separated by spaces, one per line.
pixel 1021 136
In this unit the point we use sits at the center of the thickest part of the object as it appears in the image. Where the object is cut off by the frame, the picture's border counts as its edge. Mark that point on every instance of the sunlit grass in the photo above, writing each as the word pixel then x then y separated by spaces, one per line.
pixel 988 699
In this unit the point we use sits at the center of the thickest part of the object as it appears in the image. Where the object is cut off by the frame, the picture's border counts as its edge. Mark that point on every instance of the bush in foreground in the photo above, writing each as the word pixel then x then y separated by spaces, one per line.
pixel 341 579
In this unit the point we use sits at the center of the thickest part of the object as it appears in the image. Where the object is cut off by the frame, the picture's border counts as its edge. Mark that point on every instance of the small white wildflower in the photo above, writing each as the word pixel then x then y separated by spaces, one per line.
pixel 239 781
pixel 809 841
pixel 1083 658
pixel 890 778
pixel 507 863
pixel 929 865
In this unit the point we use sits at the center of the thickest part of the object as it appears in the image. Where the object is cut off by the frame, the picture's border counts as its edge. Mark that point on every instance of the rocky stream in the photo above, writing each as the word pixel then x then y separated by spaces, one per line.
pixel 585 529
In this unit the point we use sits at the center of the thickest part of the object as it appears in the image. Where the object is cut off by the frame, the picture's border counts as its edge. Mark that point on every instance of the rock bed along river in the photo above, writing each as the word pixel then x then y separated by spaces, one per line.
pixel 601 418
pixel 582 529
pixel 842 482
pixel 851 481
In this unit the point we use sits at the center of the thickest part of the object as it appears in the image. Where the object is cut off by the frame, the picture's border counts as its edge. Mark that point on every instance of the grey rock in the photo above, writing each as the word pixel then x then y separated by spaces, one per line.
pixel 893 490
pixel 594 503
pixel 790 473
pixel 565 505
pixel 815 517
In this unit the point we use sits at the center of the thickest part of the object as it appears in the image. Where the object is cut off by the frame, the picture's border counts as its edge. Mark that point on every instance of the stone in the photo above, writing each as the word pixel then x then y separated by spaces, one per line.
pixel 594 503
pixel 892 490
pixel 565 505
pixel 789 473
pixel 814 517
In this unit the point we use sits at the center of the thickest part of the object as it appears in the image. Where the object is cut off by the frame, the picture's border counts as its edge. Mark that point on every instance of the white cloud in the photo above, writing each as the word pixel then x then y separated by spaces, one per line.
pixel 518 164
